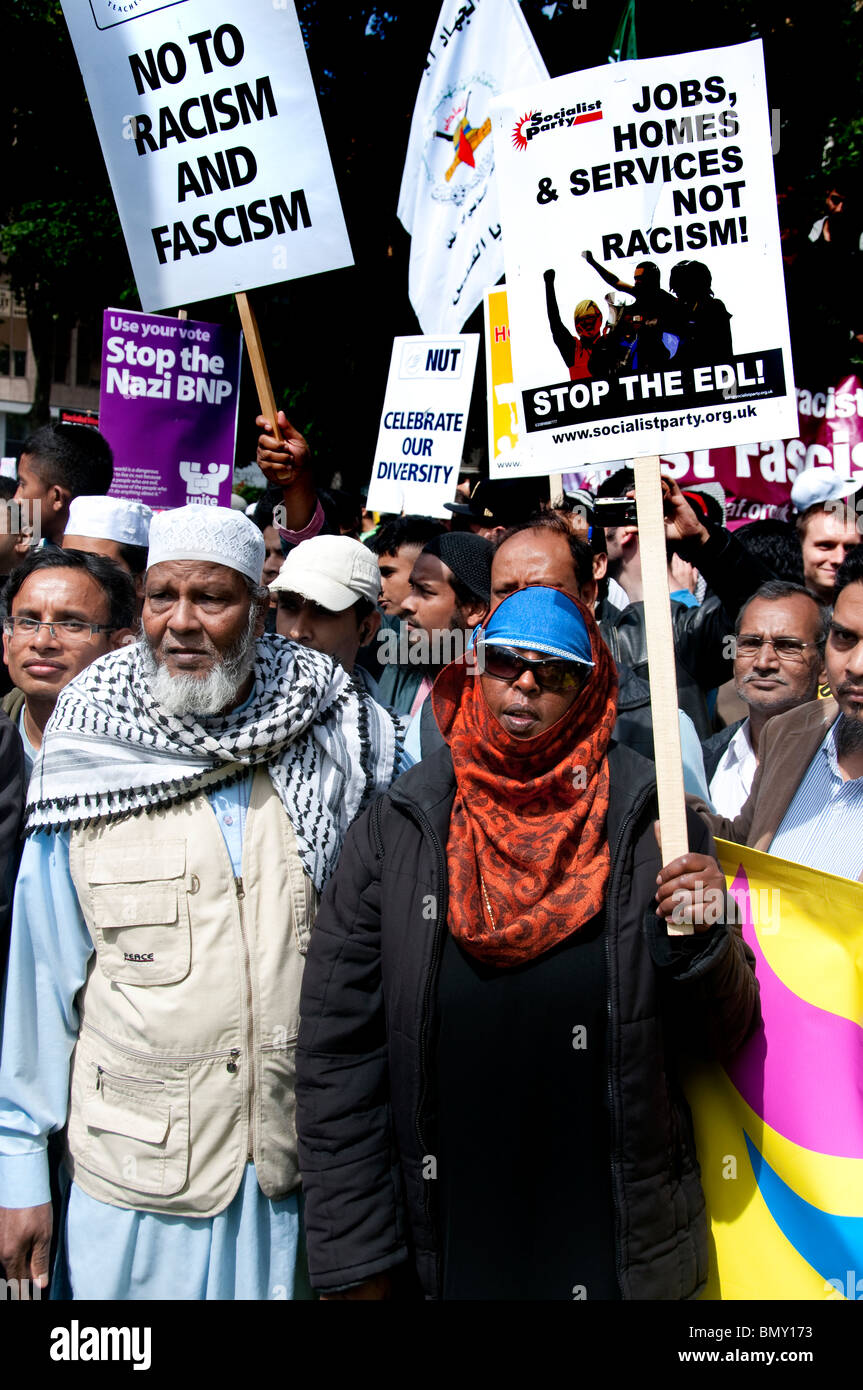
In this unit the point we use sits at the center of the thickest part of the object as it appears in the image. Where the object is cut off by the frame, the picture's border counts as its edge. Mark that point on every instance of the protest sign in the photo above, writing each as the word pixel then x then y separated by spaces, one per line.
pixel 779 1129
pixel 421 437
pixel 757 477
pixel 503 433
pixel 648 177
pixel 210 129
pixel 168 407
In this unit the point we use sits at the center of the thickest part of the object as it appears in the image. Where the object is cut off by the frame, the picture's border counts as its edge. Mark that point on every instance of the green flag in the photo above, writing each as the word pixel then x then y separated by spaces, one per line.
pixel 623 43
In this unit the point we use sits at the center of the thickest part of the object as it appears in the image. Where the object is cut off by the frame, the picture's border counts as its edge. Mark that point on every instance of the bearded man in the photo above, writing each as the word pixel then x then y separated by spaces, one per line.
pixel 187 807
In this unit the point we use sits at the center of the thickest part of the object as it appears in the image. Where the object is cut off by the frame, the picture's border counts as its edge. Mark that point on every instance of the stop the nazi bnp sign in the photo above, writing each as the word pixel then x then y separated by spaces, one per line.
pixel 643 266
pixel 211 132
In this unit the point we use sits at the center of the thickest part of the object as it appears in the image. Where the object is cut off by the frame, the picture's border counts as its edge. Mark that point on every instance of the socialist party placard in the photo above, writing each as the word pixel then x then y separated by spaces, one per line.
pixel 423 422
pixel 210 128
pixel 643 266
pixel 168 407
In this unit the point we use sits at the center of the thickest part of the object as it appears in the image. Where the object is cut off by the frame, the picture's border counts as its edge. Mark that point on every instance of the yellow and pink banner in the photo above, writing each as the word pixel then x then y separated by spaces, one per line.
pixel 780 1129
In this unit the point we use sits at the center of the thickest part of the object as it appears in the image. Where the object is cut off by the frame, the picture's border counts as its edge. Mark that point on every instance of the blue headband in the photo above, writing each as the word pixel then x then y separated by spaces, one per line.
pixel 540 620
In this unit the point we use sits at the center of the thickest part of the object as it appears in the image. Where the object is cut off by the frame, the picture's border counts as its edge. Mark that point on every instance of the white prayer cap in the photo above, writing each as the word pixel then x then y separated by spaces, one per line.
pixel 216 535
pixel 109 519
pixel 333 571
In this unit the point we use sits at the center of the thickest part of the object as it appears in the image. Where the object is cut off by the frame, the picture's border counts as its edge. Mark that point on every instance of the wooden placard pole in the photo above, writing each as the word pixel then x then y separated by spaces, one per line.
pixel 555 489
pixel 661 667
pixel 252 335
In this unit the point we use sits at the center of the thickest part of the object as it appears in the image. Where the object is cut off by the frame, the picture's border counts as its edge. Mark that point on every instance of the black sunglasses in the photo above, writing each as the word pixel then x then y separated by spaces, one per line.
pixel 550 673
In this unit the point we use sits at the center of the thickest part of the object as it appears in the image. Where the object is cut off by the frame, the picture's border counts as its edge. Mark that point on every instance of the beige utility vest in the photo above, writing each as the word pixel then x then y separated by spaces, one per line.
pixel 184 1066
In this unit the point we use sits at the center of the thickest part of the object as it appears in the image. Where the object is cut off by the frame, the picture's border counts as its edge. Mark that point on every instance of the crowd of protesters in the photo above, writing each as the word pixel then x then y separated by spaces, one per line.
pixel 331 887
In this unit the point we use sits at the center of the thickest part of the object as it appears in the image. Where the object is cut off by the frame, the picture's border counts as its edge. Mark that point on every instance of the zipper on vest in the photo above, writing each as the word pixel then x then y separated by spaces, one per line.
pixel 241 893
pixel 119 1076
pixel 159 1056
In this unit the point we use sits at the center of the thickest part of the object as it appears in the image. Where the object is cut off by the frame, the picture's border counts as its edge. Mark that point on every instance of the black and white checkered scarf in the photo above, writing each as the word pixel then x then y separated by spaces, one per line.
pixel 109 750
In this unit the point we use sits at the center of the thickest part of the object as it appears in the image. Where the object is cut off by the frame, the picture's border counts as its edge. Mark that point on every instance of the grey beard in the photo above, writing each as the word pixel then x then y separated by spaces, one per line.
pixel 849 735
pixel 203 696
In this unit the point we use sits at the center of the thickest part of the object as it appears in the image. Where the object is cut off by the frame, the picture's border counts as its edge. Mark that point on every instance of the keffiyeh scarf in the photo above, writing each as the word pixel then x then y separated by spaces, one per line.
pixel 109 750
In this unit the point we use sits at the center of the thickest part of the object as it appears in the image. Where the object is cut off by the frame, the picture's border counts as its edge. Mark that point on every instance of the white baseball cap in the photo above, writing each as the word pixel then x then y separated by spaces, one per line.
pixel 815 485
pixel 110 519
pixel 332 571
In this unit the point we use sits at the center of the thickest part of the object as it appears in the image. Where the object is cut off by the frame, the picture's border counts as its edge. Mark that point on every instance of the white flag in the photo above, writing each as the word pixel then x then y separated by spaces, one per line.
pixel 448 200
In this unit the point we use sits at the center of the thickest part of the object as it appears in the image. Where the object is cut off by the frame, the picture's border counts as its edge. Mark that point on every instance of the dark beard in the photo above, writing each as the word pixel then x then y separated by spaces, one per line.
pixel 849 736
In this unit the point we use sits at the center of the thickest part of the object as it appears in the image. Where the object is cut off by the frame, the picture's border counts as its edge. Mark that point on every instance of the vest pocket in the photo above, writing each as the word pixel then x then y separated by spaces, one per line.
pixel 276 1149
pixel 133 1130
pixel 141 915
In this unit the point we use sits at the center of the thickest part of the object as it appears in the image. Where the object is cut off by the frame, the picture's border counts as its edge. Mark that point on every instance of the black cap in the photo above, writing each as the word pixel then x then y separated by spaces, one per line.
pixel 469 558
pixel 502 501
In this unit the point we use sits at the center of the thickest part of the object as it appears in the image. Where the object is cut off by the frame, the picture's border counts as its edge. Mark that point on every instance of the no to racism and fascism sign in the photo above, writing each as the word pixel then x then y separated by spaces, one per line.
pixel 421 437
pixel 168 408
pixel 643 265
pixel 210 129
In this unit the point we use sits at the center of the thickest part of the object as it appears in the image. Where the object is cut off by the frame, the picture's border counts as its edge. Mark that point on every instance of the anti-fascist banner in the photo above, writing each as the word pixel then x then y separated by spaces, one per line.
pixel 421 437
pixel 168 407
pixel 652 179
pixel 210 129
pixel 779 1131
pixel 757 477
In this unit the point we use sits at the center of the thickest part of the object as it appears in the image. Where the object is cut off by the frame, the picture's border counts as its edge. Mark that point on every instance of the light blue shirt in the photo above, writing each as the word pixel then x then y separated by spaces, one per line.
pixel 247 1251
pixel 30 753
pixel 823 826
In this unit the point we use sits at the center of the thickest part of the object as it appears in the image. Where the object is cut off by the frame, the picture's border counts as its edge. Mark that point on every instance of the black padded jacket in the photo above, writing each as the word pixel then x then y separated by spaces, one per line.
pixel 366 1108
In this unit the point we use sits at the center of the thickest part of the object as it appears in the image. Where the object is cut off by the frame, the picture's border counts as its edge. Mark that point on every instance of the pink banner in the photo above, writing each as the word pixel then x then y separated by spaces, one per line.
pixel 757 477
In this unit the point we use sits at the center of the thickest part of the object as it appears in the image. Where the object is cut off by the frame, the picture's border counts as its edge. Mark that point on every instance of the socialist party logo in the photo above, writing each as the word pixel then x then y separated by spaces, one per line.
pixel 534 123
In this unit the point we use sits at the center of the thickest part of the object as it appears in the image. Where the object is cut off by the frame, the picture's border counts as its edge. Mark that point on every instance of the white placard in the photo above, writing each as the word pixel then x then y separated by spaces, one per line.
pixel 662 162
pixel 421 437
pixel 210 129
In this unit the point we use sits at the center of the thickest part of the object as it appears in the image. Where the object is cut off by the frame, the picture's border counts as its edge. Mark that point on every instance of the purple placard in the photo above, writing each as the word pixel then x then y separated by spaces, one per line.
pixel 168 407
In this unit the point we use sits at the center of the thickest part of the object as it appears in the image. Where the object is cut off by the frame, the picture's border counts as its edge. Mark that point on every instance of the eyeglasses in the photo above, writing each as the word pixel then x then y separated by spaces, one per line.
pixel 786 648
pixel 505 664
pixel 71 630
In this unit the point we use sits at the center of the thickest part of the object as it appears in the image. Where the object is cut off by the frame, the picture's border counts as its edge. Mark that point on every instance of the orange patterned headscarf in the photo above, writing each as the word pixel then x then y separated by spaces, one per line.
pixel 527 852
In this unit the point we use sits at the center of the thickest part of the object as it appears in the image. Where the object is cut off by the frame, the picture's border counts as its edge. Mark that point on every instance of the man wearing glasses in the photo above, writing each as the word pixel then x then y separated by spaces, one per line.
pixel 780 636
pixel 806 802
pixel 65 608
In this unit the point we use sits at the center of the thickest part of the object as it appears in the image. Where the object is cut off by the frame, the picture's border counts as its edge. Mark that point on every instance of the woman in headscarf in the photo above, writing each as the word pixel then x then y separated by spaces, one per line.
pixel 492 1007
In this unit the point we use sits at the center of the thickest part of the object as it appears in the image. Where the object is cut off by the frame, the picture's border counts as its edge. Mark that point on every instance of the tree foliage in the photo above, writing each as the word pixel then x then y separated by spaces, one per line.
pixel 60 236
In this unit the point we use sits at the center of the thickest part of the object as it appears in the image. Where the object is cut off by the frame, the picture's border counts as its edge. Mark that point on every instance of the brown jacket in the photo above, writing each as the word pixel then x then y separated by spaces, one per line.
pixel 787 746
pixel 12 702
